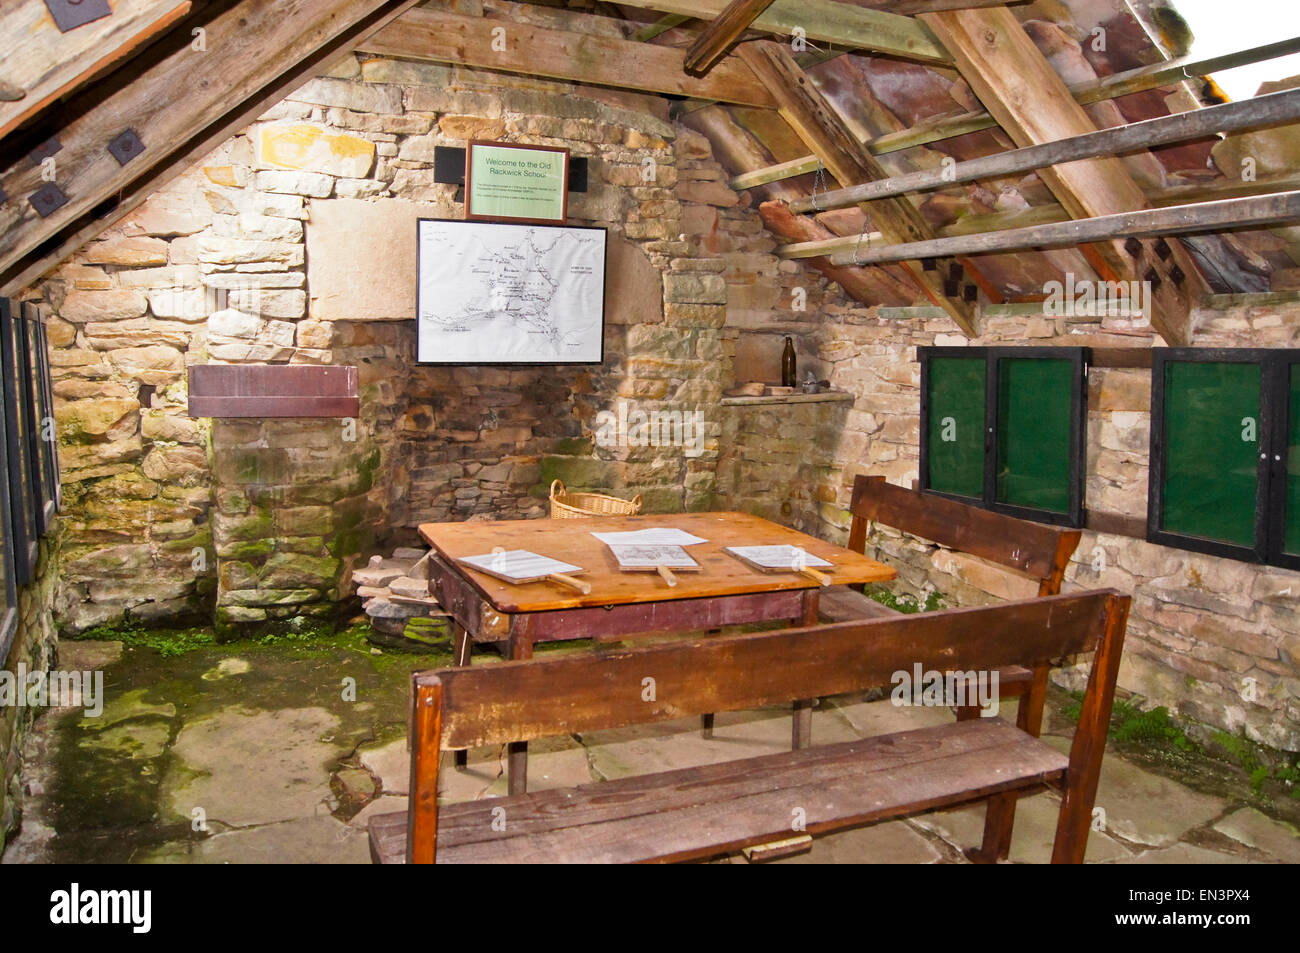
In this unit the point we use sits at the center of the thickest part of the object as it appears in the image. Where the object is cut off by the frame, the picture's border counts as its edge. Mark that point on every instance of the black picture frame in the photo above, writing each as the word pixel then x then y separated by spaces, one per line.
pixel 40 409
pixel 604 298
pixel 1080 358
pixel 1159 448
pixel 22 495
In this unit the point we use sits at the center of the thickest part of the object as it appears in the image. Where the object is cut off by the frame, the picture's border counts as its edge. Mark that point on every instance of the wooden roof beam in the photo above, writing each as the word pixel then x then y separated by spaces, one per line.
pixel 1261 111
pixel 46 64
pixel 829 21
pixel 1032 104
pixel 716 38
pixel 817 123
pixel 181 103
pixel 1257 211
pixel 434 35
pixel 1112 87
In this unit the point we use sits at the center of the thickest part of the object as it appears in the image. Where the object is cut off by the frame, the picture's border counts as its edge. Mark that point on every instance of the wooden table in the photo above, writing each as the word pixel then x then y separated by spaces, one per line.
pixel 724 592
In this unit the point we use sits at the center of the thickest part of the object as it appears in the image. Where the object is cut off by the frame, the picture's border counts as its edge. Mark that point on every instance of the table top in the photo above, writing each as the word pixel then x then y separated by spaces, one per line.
pixel 570 540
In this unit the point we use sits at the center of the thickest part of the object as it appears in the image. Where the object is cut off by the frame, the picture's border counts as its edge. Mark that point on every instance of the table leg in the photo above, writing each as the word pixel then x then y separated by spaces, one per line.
pixel 521 647
pixel 801 732
pixel 461 647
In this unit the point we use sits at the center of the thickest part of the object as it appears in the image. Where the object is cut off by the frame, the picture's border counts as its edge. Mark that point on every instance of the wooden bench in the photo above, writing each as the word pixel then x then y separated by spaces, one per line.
pixel 715 809
pixel 1039 551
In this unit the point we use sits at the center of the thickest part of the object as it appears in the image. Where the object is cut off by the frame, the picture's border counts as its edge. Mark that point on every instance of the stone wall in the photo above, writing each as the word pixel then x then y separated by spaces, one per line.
pixel 291 243
pixel 1215 640
pixel 35 648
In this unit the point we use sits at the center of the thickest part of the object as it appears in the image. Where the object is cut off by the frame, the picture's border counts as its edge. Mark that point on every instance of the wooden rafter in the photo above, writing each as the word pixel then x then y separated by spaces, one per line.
pixel 1270 110
pixel 46 64
pixel 1112 87
pixel 257 51
pixel 434 35
pixel 1032 104
pixel 817 123
pixel 828 21
pixel 716 38
pixel 1149 223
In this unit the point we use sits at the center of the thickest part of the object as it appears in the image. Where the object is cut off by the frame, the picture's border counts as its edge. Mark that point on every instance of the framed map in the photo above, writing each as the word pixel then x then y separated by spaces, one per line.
pixel 492 293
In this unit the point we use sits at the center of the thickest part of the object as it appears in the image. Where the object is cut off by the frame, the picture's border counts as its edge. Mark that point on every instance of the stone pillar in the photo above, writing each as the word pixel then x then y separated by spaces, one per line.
pixel 291 512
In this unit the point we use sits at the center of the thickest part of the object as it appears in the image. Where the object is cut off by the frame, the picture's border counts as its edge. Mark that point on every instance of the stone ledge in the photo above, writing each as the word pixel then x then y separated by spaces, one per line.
pixel 827 397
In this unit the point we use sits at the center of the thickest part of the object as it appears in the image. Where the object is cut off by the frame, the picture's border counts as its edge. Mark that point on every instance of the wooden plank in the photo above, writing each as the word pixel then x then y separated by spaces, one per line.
pixel 1031 548
pixel 698 812
pixel 845 25
pixel 662 25
pixel 257 52
pixel 1111 87
pixel 571 541
pixel 549 697
pixel 1015 82
pixel 1261 111
pixel 817 123
pixel 1150 223
pixel 441 37
pixel 716 38
pixel 47 64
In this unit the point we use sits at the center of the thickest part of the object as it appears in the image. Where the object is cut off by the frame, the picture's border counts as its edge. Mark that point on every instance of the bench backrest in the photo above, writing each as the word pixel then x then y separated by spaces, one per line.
pixel 1036 549
pixel 455 708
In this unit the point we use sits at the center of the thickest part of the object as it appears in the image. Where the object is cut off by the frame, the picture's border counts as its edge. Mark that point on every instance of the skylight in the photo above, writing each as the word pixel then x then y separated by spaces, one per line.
pixel 1226 27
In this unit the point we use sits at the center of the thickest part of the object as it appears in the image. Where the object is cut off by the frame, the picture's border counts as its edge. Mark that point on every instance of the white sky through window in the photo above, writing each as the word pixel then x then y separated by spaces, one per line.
pixel 1226 26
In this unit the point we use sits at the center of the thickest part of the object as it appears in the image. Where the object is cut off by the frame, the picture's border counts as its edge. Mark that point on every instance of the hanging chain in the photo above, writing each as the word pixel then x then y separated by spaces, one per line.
pixel 819 182
pixel 866 226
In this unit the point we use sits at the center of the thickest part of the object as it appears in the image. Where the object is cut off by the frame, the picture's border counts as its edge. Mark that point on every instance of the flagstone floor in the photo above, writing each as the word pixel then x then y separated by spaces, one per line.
pixel 255 753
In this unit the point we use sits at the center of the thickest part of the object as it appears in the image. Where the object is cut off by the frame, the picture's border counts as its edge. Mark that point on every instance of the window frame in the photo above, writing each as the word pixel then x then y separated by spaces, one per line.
pixel 43 456
pixel 22 492
pixel 1080 359
pixel 1277 380
pixel 1270 453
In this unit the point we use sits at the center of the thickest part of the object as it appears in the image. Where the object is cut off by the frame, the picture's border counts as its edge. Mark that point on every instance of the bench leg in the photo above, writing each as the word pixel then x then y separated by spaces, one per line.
pixel 706 725
pixel 461 647
pixel 521 647
pixel 1000 814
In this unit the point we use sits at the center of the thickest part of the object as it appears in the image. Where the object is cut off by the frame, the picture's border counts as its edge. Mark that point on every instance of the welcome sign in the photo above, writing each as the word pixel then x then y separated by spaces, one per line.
pixel 508 182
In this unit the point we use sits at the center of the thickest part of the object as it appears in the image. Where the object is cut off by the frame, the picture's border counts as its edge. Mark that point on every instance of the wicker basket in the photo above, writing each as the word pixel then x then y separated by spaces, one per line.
pixel 576 506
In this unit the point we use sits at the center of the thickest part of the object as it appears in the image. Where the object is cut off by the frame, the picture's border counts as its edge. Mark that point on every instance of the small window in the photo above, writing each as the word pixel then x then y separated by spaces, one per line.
pixel 1004 428
pixel 8 584
pixel 22 488
pixel 1225 468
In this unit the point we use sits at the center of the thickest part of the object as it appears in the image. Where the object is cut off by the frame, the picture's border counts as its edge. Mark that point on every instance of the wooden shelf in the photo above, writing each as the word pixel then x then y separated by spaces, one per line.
pixel 825 397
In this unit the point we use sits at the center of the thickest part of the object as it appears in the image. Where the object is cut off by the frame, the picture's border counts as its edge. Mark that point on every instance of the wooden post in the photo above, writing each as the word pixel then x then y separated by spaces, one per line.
pixel 426 747
pixel 1090 739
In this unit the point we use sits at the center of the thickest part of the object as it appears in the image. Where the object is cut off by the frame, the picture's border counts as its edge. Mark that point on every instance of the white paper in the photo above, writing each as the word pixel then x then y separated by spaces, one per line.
pixel 641 556
pixel 519 564
pixel 657 536
pixel 780 557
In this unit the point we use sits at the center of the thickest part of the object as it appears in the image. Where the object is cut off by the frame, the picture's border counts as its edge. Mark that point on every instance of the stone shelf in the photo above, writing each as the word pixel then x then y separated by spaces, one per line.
pixel 826 397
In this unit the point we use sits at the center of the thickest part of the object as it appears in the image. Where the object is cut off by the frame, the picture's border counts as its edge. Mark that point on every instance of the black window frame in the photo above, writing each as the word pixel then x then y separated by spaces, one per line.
pixel 1080 359
pixel 9 583
pixel 22 490
pixel 44 453
pixel 1271 453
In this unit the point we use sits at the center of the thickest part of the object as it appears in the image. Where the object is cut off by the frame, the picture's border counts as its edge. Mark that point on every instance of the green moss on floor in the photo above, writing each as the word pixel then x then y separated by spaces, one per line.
pixel 1228 764
pixel 903 602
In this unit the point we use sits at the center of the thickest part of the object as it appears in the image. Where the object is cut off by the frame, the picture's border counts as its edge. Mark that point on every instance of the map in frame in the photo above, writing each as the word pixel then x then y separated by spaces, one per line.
pixel 494 293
